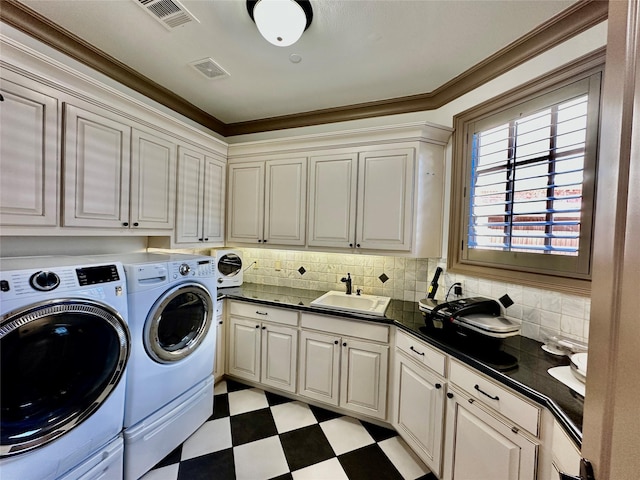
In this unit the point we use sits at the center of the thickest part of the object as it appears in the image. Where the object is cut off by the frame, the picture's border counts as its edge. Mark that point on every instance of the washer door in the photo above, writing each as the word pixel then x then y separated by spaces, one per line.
pixel 178 323
pixel 60 361
pixel 229 265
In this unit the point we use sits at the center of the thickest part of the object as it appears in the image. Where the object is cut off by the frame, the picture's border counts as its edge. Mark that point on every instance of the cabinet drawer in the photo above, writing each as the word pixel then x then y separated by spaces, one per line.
pixel 352 328
pixel 264 313
pixel 498 398
pixel 421 352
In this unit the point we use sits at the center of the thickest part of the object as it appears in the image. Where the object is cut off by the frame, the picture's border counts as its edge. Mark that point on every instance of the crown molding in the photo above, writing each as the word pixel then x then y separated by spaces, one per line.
pixel 574 20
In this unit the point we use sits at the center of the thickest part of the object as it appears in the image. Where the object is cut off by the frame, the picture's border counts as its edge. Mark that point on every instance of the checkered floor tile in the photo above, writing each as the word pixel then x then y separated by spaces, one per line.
pixel 257 435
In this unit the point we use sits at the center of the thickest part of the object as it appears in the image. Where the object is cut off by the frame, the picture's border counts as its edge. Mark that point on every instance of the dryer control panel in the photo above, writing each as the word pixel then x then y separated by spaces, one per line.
pixel 202 268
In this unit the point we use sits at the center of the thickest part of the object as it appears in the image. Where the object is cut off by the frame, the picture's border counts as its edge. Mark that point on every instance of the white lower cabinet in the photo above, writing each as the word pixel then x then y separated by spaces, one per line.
pixel 419 412
pixel 262 351
pixel 344 371
pixel 480 446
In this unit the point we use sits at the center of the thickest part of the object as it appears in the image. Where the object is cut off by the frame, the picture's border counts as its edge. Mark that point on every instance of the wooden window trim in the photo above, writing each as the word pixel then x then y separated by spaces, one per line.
pixel 581 67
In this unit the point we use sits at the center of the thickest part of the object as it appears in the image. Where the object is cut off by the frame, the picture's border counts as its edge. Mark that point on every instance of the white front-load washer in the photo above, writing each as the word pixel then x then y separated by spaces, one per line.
pixel 64 344
pixel 172 301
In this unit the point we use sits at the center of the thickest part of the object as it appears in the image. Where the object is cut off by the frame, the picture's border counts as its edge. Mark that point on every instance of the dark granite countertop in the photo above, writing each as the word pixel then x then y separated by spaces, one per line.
pixel 529 377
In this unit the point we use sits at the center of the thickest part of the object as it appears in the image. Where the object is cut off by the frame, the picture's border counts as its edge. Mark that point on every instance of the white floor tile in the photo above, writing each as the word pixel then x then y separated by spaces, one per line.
pixel 247 400
pixel 213 436
pixel 327 470
pixel 346 434
pixel 169 472
pixel 292 415
pixel 407 463
pixel 260 460
pixel 220 387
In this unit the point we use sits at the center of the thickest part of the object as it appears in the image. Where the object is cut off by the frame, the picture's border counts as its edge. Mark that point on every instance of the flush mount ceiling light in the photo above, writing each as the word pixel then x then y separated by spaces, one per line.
pixel 281 22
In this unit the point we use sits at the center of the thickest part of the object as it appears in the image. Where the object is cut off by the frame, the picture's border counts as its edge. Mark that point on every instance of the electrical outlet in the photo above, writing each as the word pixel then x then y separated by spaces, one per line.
pixel 255 265
pixel 278 265
pixel 457 289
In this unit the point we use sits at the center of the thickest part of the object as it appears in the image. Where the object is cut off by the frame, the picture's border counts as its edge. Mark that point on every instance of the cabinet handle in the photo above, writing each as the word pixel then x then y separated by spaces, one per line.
pixel 264 328
pixel 199 239
pixel 264 241
pixel 471 400
pixel 336 342
pixel 262 313
pixel 206 239
pixel 136 224
pixel 351 245
pixel 477 387
pixel 515 430
pixel 220 322
pixel 344 344
pixel 259 241
pixel 357 245
pixel 438 386
pixel 449 395
pixel 257 326
pixel 125 224
pixel 419 353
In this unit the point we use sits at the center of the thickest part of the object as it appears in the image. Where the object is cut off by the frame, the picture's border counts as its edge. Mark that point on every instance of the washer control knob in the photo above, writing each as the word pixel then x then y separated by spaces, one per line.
pixel 184 269
pixel 44 281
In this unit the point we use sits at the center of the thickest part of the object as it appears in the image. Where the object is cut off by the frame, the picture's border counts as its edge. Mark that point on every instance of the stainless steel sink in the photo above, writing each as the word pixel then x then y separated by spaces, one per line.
pixel 368 304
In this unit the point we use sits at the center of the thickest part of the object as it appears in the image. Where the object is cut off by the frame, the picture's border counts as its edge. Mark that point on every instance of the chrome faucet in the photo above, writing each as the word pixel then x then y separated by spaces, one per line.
pixel 347 280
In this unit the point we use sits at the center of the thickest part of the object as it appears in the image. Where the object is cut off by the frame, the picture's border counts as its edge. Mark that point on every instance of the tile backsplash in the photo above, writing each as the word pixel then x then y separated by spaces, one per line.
pixel 541 312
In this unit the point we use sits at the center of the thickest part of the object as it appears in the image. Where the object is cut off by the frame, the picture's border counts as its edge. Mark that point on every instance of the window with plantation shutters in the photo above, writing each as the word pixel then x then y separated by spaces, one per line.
pixel 528 182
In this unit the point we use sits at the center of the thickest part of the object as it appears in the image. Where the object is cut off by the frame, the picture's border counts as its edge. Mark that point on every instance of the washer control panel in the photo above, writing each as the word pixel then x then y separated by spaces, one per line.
pixel 203 268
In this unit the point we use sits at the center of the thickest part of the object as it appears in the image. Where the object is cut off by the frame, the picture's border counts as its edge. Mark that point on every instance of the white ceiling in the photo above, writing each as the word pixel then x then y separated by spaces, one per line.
pixel 354 51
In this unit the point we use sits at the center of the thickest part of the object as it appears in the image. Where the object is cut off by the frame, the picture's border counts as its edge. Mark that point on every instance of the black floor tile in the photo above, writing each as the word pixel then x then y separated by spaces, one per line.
pixel 233 386
pixel 305 446
pixel 173 457
pixel 286 476
pixel 368 462
pixel 378 433
pixel 218 465
pixel 220 406
pixel 323 415
pixel 275 399
pixel 252 426
pixel 428 476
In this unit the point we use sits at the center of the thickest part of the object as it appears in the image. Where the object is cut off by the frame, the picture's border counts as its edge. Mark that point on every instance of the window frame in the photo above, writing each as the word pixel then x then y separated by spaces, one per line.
pixel 492 264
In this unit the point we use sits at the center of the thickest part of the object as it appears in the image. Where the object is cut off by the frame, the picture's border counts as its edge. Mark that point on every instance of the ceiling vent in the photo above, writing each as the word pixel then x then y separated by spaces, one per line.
pixel 209 68
pixel 169 13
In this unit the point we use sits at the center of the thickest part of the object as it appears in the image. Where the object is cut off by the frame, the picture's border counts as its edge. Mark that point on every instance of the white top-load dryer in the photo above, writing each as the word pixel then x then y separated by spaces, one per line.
pixel 64 343
pixel 169 395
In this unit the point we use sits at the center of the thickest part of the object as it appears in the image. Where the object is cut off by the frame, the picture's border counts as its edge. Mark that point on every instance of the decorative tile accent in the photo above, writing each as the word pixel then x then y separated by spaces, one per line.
pixel 383 278
pixel 301 271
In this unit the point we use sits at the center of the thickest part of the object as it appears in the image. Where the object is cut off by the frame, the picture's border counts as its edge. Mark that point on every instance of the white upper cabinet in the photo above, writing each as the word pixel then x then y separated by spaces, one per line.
pixel 362 200
pixel 153 181
pixel 97 156
pixel 116 176
pixel 200 204
pixel 28 156
pixel 332 200
pixel 385 195
pixel 267 202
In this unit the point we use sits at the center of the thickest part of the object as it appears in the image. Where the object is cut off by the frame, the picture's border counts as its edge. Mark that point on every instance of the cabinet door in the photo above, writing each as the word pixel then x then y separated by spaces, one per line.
pixel 214 191
pixel 319 366
pixel 153 181
pixel 385 199
pixel 97 165
pixel 332 200
pixel 363 384
pixel 246 202
pixel 480 447
pixel 244 349
pixel 285 201
pixel 419 415
pixel 189 202
pixel 28 157
pixel 279 357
